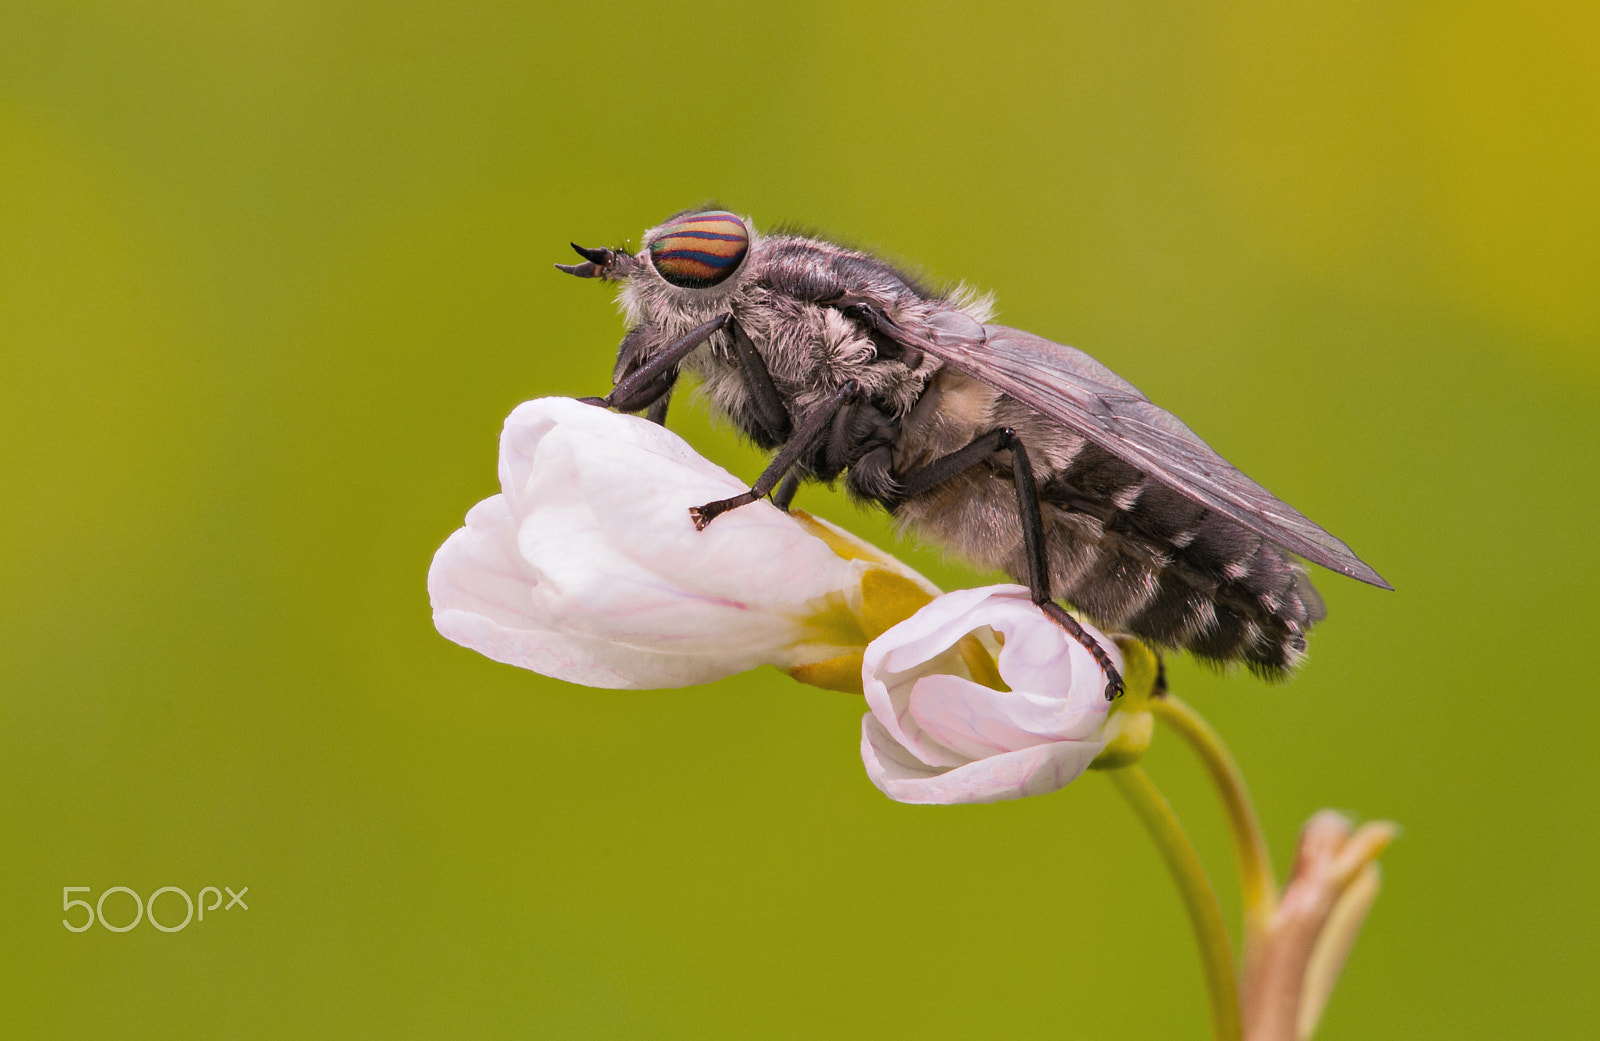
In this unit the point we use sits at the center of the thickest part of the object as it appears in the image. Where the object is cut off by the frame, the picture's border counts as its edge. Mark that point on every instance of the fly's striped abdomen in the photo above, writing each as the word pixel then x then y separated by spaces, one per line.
pixel 1134 554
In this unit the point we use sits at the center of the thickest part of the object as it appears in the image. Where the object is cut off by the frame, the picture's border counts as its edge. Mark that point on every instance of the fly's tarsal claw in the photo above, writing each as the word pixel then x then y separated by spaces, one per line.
pixel 703 515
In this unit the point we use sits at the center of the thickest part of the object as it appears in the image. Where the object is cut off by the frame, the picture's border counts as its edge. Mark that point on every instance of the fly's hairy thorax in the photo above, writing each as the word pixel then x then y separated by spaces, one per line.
pixel 810 351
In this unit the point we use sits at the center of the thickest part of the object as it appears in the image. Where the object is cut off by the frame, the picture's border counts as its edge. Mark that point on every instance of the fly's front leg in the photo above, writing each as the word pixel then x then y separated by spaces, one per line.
pixel 812 426
pixel 784 496
pixel 657 413
pixel 650 385
pixel 770 410
pixel 652 381
pixel 1033 538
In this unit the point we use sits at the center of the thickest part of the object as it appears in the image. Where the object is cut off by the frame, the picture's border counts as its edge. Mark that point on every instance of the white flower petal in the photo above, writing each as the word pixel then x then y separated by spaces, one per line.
pixel 570 657
pixel 935 735
pixel 478 568
pixel 1043 658
pixel 974 721
pixel 587 566
pixel 935 628
pixel 1038 770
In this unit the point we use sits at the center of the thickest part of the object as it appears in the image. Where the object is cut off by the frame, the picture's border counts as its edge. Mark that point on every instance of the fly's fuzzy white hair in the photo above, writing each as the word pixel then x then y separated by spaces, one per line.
pixel 975 303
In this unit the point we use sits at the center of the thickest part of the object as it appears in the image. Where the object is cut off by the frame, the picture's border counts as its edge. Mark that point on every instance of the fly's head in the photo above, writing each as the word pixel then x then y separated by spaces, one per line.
pixel 690 267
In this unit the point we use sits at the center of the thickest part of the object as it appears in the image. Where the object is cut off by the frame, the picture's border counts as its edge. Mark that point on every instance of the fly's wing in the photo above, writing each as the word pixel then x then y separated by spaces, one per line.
pixel 1069 386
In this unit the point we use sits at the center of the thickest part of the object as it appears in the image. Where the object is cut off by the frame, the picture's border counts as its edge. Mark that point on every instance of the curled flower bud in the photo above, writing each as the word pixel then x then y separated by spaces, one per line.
pixel 935 734
pixel 1294 960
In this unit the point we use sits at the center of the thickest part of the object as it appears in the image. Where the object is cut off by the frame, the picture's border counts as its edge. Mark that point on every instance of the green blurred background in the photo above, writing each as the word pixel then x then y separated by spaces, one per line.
pixel 271 275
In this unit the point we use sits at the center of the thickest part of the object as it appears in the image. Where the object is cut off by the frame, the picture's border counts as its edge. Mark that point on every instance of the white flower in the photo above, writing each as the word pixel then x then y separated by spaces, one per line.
pixel 587 568
pixel 936 736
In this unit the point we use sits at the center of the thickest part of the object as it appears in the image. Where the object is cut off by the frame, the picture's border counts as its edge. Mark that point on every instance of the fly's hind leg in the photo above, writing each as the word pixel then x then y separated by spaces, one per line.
pixel 940 470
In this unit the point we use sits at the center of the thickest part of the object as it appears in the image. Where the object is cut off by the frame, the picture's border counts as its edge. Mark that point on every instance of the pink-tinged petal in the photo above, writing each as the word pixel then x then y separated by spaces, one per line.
pixel 1043 658
pixel 1011 775
pixel 575 658
pixel 483 593
pixel 935 628
pixel 479 569
pixel 888 697
pixel 933 734
pixel 588 568
pixel 605 504
pixel 919 646
pixel 974 721
pixel 887 760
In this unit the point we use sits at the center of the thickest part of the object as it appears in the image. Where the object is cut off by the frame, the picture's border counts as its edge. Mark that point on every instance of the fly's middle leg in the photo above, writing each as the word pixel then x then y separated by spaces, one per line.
pixel 812 426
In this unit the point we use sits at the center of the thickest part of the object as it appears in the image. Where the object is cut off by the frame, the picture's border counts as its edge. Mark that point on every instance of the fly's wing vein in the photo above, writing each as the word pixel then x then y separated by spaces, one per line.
pixel 1074 389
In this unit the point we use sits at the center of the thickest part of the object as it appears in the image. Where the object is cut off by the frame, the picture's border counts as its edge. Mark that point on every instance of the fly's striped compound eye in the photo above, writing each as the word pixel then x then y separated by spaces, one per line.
pixel 700 249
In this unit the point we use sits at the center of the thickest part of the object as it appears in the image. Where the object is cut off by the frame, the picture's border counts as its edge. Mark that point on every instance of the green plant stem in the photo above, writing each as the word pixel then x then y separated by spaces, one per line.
pixel 1258 888
pixel 1199 899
